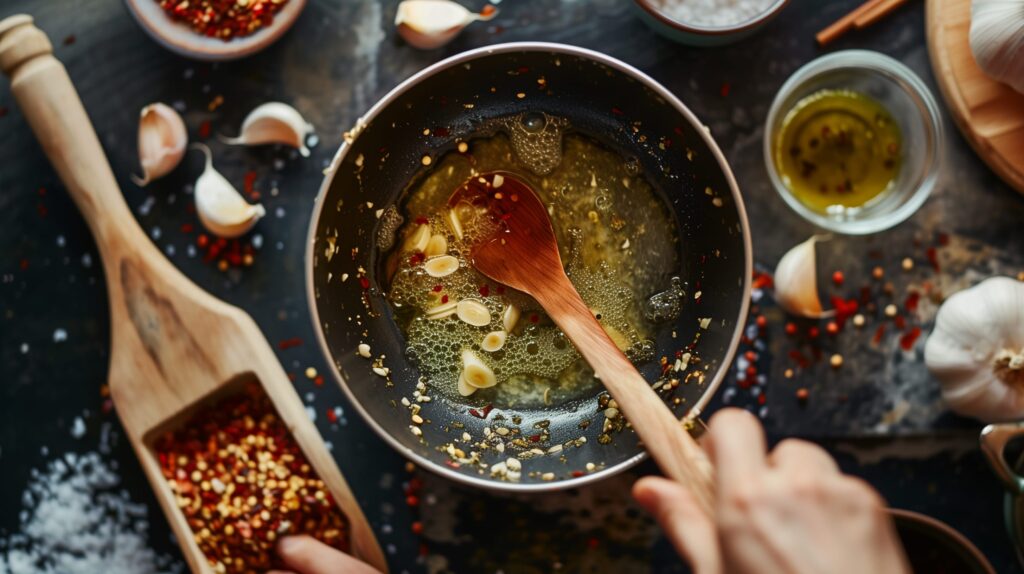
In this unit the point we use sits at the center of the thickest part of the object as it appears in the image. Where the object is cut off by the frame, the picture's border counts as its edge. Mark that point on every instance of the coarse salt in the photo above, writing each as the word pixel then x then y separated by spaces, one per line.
pixel 713 12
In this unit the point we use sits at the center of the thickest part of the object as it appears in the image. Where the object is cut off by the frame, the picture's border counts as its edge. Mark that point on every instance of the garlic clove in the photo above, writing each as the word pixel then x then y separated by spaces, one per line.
pixel 418 239
pixel 429 24
pixel 796 281
pixel 274 122
pixel 438 245
pixel 476 372
pixel 162 141
pixel 493 341
pixel 473 312
pixel 441 266
pixel 443 310
pixel 455 223
pixel 465 389
pixel 220 207
pixel 509 317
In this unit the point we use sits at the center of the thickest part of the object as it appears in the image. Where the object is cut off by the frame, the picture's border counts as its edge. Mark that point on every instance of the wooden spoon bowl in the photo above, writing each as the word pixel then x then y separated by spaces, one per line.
pixel 514 244
pixel 174 347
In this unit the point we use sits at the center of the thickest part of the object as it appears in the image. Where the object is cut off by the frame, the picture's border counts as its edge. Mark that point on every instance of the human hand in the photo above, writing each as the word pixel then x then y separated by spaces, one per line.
pixel 789 511
pixel 307 555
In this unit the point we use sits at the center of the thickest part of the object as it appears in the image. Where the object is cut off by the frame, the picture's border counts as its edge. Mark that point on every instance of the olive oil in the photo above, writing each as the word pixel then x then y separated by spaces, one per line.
pixel 838 150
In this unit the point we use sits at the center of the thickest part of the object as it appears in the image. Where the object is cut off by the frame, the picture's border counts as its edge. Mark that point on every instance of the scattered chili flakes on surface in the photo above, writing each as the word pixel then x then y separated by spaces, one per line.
pixel 879 333
pixel 908 339
pixel 912 300
pixel 791 328
pixel 762 281
pixel 725 89
pixel 364 282
pixel 485 290
pixel 482 413
pixel 204 129
pixel 802 394
pixel 242 481
pixel 933 258
pixel 838 278
pixel 69 39
pixel 286 344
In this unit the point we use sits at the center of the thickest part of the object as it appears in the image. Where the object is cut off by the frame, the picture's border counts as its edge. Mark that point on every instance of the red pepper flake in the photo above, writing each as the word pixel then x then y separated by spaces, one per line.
pixel 412 500
pixel 364 282
pixel 912 300
pixel 832 328
pixel 762 399
pixel 813 332
pixel 943 239
pixel 899 321
pixel 485 290
pixel 749 355
pixel 844 310
pixel 593 542
pixel 444 299
pixel 763 281
pixel 416 258
pixel 438 288
pixel 482 413
pixel 791 328
pixel 331 416
pixel 535 438
pixel 187 228
pixel 417 528
pixel 838 278
pixel 534 318
pixel 617 111
pixel 762 321
pixel 799 358
pixel 202 240
pixel 69 39
pixel 577 473
pixel 879 333
pixel 725 89
pixel 204 129
pixel 23 264
pixel 319 380
pixel 933 258
pixel 909 338
pixel 802 394
pixel 286 344
pixel 224 19
pixel 249 182
pixel 422 220
pixel 441 132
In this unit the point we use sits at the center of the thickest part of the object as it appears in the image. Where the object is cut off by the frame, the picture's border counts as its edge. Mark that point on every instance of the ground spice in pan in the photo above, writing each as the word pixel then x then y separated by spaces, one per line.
pixel 242 482
pixel 224 19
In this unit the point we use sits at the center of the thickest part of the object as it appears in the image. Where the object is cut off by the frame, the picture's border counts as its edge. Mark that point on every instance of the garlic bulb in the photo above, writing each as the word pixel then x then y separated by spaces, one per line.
pixel 221 209
pixel 796 281
pixel 162 140
pixel 976 350
pixel 429 24
pixel 274 122
pixel 997 39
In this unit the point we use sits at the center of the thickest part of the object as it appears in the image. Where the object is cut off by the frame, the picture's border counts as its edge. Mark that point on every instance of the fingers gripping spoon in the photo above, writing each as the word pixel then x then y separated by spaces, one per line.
pixel 173 346
pixel 514 244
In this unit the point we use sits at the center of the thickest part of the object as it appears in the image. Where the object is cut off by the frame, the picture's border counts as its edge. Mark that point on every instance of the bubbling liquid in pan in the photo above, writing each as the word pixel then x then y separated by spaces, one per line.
pixel 479 342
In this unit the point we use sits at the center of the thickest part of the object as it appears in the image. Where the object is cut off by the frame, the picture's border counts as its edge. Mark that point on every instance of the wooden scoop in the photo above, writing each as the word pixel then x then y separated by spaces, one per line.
pixel 515 245
pixel 172 344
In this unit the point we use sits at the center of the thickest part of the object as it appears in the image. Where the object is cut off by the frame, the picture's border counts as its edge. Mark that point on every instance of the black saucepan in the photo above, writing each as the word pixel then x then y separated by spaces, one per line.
pixel 427 115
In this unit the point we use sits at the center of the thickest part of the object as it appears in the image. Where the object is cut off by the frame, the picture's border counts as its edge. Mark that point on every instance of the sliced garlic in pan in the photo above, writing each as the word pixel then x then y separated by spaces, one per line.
pixel 438 245
pixel 274 122
pixel 443 310
pixel 220 207
pixel 441 266
pixel 493 341
pixel 455 223
pixel 473 312
pixel 509 317
pixel 162 141
pixel 418 239
pixel 475 372
pixel 465 389
pixel 429 24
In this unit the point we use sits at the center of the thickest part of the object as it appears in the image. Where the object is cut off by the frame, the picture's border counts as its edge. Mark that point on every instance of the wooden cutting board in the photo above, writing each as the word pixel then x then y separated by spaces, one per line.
pixel 988 113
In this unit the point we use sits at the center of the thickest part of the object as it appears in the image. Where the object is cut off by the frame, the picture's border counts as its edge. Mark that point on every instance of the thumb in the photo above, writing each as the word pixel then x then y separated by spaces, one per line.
pixel 691 532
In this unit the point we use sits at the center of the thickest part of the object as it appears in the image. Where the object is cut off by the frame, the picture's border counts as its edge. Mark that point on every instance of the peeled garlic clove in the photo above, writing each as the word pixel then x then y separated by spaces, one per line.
pixel 221 209
pixel 473 312
pixel 274 122
pixel 796 282
pixel 162 140
pixel 493 341
pixel 455 223
pixel 438 245
pixel 429 24
pixel 443 310
pixel 476 373
pixel 417 241
pixel 465 389
pixel 509 317
pixel 441 266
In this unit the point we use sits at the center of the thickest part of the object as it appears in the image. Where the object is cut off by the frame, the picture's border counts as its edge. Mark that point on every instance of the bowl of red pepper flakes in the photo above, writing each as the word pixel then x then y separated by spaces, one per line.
pixel 215 30
pixel 242 482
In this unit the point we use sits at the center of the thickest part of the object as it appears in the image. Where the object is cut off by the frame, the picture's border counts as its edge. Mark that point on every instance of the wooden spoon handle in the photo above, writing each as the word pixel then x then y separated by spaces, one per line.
pixel 53 109
pixel 675 451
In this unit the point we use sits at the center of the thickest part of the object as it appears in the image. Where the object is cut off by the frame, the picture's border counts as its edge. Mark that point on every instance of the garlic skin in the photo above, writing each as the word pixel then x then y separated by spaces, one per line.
pixel 976 350
pixel 221 209
pixel 429 24
pixel 162 141
pixel 796 281
pixel 274 122
pixel 997 40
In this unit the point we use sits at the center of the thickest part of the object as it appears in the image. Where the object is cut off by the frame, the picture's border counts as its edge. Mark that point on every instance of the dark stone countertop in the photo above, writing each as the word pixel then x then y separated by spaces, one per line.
pixel 340 58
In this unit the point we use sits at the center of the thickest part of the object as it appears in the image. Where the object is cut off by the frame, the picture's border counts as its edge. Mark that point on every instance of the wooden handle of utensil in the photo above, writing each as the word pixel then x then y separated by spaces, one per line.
pixel 53 109
pixel 676 452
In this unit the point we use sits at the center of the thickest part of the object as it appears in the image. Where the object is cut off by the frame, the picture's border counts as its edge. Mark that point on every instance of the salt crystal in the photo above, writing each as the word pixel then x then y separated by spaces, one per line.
pixel 60 335
pixel 713 12
pixel 78 428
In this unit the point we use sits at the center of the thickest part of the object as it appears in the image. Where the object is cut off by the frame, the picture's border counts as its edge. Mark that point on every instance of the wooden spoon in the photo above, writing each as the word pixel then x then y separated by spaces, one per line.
pixel 514 244
pixel 172 344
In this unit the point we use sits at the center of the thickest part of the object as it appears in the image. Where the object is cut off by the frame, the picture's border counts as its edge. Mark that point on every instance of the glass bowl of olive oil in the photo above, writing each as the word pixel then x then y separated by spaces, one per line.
pixel 853 142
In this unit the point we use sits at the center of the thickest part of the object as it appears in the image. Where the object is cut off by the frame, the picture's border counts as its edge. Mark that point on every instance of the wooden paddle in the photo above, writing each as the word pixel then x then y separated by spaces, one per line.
pixel 518 248
pixel 172 344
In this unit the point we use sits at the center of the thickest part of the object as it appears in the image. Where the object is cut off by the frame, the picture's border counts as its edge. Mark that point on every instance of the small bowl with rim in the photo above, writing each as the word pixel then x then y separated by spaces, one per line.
pixel 907 99
pixel 181 39
pixel 655 15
